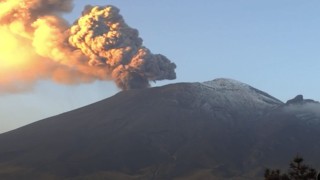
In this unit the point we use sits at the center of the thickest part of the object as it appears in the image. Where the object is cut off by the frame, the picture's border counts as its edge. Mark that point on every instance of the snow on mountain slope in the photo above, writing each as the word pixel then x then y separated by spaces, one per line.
pixel 222 93
pixel 230 87
pixel 224 127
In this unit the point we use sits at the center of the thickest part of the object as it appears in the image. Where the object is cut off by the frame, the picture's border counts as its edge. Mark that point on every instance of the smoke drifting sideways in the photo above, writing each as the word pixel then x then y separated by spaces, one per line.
pixel 37 43
pixel 306 108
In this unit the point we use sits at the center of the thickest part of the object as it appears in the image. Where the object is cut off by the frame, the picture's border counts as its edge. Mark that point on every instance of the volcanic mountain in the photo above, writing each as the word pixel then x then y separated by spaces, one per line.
pixel 220 129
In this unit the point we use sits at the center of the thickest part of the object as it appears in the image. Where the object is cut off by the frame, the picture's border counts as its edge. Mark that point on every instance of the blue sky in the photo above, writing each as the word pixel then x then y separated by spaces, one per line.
pixel 271 45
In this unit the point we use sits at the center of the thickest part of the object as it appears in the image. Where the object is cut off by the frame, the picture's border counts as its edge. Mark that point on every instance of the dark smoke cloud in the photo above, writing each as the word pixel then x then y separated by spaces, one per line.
pixel 98 46
pixel 103 36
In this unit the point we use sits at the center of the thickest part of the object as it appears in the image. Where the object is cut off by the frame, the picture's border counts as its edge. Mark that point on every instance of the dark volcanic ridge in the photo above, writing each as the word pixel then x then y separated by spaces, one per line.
pixel 221 129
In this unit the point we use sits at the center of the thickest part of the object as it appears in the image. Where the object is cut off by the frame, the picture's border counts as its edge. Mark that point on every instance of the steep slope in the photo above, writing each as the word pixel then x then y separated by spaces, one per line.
pixel 186 130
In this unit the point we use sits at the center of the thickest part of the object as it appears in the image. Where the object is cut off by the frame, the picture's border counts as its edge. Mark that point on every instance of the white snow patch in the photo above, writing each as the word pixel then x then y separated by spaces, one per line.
pixel 222 93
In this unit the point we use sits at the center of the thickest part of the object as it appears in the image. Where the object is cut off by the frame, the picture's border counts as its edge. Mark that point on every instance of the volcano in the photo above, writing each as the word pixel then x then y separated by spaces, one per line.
pixel 220 129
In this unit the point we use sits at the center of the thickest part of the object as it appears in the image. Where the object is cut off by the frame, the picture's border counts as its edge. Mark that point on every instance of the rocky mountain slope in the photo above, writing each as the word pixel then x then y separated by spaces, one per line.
pixel 220 129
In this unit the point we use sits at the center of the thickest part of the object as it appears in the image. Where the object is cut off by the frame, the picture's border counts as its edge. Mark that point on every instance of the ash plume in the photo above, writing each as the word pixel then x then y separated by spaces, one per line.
pixel 37 43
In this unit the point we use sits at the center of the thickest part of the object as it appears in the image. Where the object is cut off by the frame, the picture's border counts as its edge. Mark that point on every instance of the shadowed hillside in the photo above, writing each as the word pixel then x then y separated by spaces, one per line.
pixel 218 129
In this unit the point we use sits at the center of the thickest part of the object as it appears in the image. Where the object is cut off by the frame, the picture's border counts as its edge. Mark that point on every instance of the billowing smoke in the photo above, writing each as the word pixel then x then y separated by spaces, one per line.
pixel 37 43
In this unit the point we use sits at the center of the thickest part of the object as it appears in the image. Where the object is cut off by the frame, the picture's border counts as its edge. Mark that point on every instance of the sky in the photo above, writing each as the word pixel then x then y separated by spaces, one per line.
pixel 271 45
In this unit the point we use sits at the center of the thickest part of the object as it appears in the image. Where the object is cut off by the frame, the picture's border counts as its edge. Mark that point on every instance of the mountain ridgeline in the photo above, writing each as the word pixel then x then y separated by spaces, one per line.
pixel 220 129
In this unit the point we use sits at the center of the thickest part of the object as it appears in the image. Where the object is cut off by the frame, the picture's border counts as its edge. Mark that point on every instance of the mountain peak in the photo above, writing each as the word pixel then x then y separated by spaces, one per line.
pixel 219 129
pixel 300 100
pixel 225 83
pixel 238 91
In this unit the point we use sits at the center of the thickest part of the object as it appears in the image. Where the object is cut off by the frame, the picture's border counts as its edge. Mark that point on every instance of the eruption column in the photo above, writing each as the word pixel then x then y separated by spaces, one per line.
pixel 37 43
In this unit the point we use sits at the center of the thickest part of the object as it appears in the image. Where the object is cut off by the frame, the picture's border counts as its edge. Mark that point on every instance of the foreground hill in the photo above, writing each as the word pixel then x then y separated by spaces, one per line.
pixel 221 129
